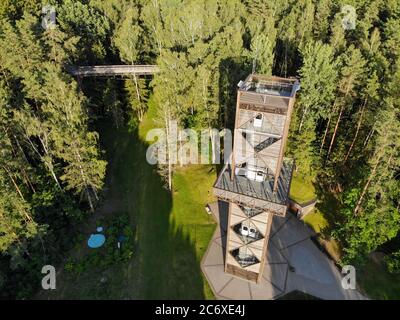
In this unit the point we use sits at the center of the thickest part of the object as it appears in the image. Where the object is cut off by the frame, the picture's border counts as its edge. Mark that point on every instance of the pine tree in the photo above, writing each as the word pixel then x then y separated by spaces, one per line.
pixel 261 24
pixel 386 158
pixel 16 222
pixel 262 54
pixel 76 18
pixel 371 209
pixel 351 75
pixel 321 23
pixel 392 34
pixel 370 92
pixel 337 34
pixel 318 81
pixel 295 26
pixel 126 37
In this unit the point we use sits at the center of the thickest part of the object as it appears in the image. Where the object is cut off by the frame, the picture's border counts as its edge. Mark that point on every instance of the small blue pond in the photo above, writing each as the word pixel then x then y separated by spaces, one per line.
pixel 96 240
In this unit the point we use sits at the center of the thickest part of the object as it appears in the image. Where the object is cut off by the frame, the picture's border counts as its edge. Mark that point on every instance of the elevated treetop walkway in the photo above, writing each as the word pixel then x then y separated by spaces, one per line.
pixel 112 70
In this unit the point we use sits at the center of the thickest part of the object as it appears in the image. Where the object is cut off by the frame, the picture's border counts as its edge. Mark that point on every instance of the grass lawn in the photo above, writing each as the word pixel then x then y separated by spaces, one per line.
pixel 171 231
pixel 317 221
pixel 376 281
pixel 191 192
pixel 302 189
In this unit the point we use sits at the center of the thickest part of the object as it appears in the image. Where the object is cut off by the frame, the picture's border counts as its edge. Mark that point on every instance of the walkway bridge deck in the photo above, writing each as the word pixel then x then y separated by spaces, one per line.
pixel 112 70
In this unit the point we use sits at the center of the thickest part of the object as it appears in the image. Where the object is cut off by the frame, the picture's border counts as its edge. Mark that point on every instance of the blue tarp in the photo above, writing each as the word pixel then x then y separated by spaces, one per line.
pixel 96 240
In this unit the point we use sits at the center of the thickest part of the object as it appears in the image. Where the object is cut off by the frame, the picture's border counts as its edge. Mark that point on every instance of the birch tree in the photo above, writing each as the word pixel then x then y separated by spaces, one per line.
pixel 126 39
pixel 85 172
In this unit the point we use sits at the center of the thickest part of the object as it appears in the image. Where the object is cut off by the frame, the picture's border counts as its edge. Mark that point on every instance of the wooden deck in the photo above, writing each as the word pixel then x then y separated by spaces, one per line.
pixel 112 70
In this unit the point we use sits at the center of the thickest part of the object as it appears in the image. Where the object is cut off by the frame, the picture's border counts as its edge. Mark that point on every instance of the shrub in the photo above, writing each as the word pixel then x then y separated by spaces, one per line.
pixel 393 262
pixel 109 254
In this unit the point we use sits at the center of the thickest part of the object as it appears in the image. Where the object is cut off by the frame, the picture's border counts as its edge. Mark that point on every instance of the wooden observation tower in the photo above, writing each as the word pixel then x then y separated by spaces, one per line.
pixel 256 181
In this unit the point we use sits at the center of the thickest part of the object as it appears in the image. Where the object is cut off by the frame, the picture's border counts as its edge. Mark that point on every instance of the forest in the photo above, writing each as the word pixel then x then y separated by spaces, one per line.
pixel 344 135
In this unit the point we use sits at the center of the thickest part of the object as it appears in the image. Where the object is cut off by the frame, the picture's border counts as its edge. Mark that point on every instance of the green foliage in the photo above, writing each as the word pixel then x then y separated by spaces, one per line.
pixel 46 147
pixel 137 94
pixel 363 233
pixel 79 19
pixel 126 37
pixel 263 36
pixel 85 171
pixel 262 52
pixel 392 34
pixel 322 19
pixel 14 9
pixel 109 254
pixel 16 223
pixel 303 150
pixel 318 80
pixel 393 262
pixel 352 71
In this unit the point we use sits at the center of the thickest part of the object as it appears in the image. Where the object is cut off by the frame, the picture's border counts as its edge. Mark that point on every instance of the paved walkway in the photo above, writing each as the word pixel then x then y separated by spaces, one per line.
pixel 290 244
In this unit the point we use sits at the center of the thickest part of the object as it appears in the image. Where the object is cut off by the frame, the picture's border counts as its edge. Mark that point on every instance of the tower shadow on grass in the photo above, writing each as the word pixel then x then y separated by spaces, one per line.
pixel 165 264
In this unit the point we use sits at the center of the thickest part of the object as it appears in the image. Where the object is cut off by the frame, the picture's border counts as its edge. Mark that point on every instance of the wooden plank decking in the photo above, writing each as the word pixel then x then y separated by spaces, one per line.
pixel 112 70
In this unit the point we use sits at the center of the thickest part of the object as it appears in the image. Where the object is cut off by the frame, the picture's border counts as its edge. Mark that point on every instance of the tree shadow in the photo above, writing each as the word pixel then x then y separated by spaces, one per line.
pixel 291 58
pixel 232 70
pixel 328 205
